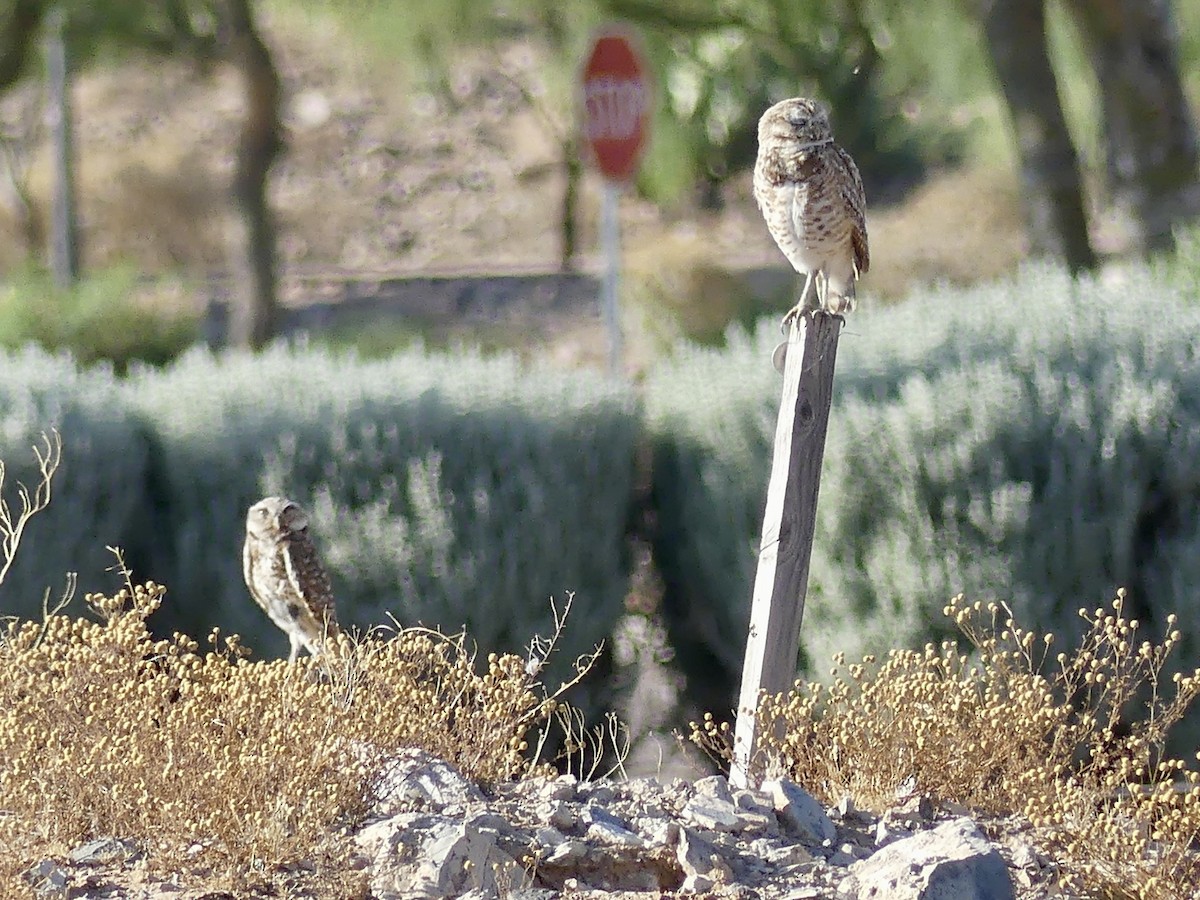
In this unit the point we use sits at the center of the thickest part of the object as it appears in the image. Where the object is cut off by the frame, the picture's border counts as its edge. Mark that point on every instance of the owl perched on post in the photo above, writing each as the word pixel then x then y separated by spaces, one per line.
pixel 809 191
pixel 284 575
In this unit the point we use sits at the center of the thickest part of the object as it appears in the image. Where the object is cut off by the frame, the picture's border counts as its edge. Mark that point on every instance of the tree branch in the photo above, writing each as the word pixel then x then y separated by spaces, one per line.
pixel 18 35
pixel 12 528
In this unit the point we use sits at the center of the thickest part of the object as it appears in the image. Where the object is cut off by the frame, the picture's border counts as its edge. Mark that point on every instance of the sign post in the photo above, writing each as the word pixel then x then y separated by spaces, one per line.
pixel 610 246
pixel 616 109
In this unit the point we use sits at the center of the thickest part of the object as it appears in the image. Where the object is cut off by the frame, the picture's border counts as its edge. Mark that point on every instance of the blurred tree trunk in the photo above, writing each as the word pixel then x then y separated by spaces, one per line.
pixel 569 224
pixel 1051 185
pixel 15 195
pixel 20 25
pixel 64 223
pixel 20 22
pixel 570 155
pixel 1150 138
pixel 254 308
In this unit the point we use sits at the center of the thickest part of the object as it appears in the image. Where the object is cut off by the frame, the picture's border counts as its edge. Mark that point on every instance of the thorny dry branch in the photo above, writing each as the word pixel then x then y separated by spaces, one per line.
pixel 13 528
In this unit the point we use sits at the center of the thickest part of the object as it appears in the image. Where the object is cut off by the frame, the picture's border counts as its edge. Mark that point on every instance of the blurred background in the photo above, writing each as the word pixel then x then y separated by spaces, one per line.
pixel 395 179
pixel 270 152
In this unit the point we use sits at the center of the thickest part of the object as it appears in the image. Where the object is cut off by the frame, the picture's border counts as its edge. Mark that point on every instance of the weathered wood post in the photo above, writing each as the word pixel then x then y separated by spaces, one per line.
pixel 789 522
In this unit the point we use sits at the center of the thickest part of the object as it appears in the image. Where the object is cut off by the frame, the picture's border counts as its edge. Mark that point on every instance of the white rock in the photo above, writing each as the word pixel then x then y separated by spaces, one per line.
pixel 549 837
pixel 563 787
pixel 800 813
pixel 658 832
pixel 782 854
pixel 753 802
pixel 889 829
pixel 416 778
pixel 712 805
pixel 428 856
pixel 603 826
pixel 641 835
pixel 950 862
pixel 103 851
pixel 702 865
pixel 46 877
pixel 559 815
pixel 567 851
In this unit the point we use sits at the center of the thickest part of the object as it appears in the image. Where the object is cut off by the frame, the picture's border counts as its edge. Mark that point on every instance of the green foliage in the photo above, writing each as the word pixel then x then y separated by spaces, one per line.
pixel 97 496
pixel 1187 21
pixel 114 28
pixel 455 491
pixel 714 71
pixel 1032 441
pixel 430 39
pixel 720 67
pixel 108 316
pixel 674 290
pixel 710 416
pixel 379 338
pixel 896 104
pixel 1182 265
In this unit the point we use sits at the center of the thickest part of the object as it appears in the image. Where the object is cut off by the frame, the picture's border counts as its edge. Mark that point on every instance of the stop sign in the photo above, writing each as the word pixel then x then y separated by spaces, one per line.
pixel 616 104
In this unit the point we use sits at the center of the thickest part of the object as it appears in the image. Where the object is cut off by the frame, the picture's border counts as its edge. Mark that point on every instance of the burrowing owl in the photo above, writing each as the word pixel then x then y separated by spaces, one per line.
pixel 811 195
pixel 285 576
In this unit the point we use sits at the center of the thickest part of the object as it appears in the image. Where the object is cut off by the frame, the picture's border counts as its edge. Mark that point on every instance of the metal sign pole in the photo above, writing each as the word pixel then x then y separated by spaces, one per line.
pixel 610 241
pixel 615 106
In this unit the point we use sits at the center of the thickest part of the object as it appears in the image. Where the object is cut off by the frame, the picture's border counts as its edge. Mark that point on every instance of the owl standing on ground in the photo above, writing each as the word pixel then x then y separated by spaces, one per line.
pixel 809 191
pixel 285 577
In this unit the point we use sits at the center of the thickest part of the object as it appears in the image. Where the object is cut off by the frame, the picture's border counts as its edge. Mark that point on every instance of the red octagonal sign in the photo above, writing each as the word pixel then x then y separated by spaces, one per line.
pixel 616 104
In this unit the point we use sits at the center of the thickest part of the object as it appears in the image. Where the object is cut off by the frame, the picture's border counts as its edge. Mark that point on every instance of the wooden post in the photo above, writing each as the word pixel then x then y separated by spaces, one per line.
pixel 789 522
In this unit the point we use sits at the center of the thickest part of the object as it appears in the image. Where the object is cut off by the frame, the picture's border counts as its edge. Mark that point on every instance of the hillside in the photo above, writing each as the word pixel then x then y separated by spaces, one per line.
pixel 381 176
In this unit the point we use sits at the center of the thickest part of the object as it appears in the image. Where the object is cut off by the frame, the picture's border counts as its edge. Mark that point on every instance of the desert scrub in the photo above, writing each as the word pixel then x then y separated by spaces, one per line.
pixel 447 490
pixel 15 519
pixel 215 764
pixel 968 451
pixel 100 495
pixel 675 291
pixel 113 316
pixel 1013 727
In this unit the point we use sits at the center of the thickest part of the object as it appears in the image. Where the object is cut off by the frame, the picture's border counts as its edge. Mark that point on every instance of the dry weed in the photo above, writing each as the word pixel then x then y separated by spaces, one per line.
pixel 221 768
pixel 12 526
pixel 991 731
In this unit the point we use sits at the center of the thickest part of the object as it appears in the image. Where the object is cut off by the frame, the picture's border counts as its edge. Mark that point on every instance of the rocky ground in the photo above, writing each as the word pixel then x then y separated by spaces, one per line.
pixel 431 834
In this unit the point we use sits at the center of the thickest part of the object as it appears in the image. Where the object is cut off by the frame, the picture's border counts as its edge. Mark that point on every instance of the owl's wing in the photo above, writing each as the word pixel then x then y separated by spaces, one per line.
pixel 308 580
pixel 855 199
pixel 248 574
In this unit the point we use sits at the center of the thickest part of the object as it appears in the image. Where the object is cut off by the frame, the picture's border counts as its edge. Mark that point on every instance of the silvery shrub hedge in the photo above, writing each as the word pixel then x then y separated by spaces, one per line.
pixel 454 491
pixel 98 496
pixel 1035 441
